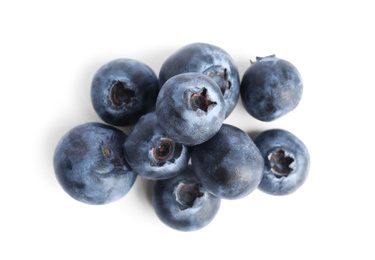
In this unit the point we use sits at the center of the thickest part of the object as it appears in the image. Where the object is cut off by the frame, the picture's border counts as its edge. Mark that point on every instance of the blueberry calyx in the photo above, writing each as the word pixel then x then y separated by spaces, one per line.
pixel 186 194
pixel 121 94
pixel 221 76
pixel 198 100
pixel 261 58
pixel 269 56
pixel 106 153
pixel 163 150
pixel 281 163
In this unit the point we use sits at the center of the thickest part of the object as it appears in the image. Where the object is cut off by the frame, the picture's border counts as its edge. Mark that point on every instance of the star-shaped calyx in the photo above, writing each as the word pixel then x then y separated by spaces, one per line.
pixel 281 164
pixel 221 76
pixel 186 194
pixel 121 94
pixel 163 150
pixel 198 100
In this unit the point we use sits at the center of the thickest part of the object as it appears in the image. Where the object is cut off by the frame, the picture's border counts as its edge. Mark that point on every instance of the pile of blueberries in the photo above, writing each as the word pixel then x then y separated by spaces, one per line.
pixel 179 139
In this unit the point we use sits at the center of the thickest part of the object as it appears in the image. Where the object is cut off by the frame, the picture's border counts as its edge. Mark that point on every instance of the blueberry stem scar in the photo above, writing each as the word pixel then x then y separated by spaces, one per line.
pixel 221 77
pixel 106 153
pixel 120 94
pixel 280 163
pixel 199 100
pixel 164 151
pixel 187 194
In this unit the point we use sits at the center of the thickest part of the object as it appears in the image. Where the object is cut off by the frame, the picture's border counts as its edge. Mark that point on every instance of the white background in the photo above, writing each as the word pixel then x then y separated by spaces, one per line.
pixel 49 52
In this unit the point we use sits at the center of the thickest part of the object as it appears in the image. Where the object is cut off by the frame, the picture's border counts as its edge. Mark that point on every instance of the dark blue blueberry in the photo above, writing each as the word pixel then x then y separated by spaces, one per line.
pixel 151 153
pixel 90 165
pixel 286 161
pixel 183 203
pixel 271 88
pixel 123 90
pixel 209 60
pixel 229 165
pixel 190 108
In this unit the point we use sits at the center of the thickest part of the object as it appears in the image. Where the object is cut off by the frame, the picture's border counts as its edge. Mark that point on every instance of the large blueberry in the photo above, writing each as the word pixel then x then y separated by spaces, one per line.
pixel 209 60
pixel 229 165
pixel 286 161
pixel 123 90
pixel 190 108
pixel 183 203
pixel 151 153
pixel 90 165
pixel 270 88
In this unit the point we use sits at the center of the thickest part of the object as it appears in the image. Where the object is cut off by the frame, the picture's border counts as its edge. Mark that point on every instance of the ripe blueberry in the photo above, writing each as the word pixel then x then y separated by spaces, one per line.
pixel 90 166
pixel 209 60
pixel 286 161
pixel 183 203
pixel 271 88
pixel 229 165
pixel 151 153
pixel 123 90
pixel 190 108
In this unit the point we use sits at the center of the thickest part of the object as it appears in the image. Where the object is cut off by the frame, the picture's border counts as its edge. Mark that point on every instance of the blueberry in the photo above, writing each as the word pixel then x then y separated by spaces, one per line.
pixel 123 90
pixel 90 165
pixel 183 203
pixel 286 161
pixel 209 60
pixel 271 88
pixel 229 165
pixel 190 108
pixel 151 153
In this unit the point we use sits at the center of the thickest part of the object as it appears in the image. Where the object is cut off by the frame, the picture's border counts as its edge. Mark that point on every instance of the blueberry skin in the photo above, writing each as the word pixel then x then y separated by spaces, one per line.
pixel 190 108
pixel 182 203
pixel 90 166
pixel 229 165
pixel 286 161
pixel 151 153
pixel 270 88
pixel 123 90
pixel 209 60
